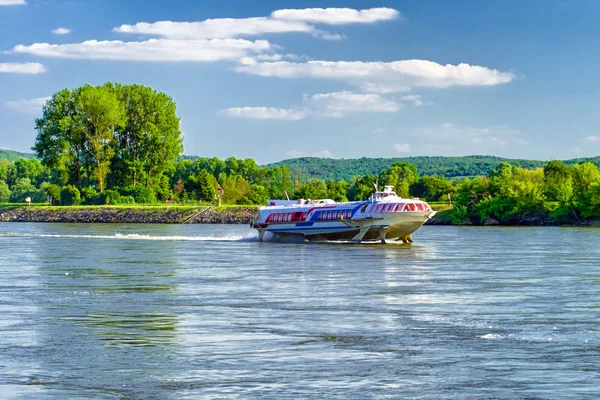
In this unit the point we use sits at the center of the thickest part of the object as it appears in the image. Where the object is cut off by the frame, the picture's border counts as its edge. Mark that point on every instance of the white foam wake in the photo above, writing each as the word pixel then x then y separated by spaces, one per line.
pixel 252 236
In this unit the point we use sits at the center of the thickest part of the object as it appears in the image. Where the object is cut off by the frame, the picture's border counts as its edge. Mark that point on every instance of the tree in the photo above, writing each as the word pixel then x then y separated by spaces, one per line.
pixel 61 141
pixel 558 182
pixel 313 189
pixel 202 186
pixel 102 112
pixel 433 188
pixel 401 175
pixel 4 192
pixel 149 140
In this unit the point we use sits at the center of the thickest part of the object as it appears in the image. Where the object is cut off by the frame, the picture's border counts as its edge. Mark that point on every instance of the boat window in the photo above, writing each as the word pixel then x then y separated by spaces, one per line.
pixel 420 207
pixel 410 207
pixel 388 207
pixel 399 207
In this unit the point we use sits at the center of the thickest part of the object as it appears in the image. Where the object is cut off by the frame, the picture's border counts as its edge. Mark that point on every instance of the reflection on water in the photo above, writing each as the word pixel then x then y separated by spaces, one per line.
pixel 129 329
pixel 188 312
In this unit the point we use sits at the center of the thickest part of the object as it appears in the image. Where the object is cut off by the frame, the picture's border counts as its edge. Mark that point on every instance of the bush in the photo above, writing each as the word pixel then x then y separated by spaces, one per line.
pixel 110 197
pixel 70 195
pixel 91 196
pixel 141 194
pixel 51 190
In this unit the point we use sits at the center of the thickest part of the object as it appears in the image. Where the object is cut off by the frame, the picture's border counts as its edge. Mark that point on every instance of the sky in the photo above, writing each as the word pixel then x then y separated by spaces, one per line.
pixel 272 80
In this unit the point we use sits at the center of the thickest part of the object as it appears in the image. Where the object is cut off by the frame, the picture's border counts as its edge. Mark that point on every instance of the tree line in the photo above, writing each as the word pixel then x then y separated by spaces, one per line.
pixel 121 144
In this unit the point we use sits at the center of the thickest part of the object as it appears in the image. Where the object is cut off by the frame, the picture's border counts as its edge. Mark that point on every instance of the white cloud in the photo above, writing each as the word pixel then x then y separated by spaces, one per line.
pixel 339 103
pixel 12 2
pixel 280 21
pixel 263 113
pixel 332 105
pixel 417 100
pixel 592 139
pixel 61 31
pixel 402 147
pixel 337 16
pixel 150 50
pixel 383 77
pixel 29 106
pixel 22 68
pixel 215 28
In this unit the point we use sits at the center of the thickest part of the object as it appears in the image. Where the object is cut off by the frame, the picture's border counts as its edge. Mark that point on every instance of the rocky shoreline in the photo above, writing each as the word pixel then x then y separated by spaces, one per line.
pixel 193 215
pixel 132 215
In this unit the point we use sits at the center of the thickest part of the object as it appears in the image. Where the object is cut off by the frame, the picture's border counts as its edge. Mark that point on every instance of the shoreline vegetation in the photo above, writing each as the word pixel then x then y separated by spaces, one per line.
pixel 113 153
pixel 202 215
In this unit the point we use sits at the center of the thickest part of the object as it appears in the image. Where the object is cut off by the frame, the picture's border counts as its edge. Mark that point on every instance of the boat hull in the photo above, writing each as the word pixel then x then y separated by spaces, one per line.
pixel 381 226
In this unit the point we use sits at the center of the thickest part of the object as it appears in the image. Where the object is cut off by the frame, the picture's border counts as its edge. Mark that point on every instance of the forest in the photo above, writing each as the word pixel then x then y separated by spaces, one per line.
pixel 121 144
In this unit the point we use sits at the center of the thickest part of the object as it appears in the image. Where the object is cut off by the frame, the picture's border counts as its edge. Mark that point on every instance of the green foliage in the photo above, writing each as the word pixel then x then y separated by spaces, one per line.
pixel 401 175
pixel 70 195
pixel 459 215
pixel 23 189
pixel 449 167
pixel 52 190
pixel 5 193
pixel 141 194
pixel 12 156
pixel 516 195
pixel 203 187
pixel 109 136
pixel 433 188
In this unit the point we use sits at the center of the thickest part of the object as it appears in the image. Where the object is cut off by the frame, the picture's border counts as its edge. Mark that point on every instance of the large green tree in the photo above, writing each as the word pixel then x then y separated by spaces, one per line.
pixel 102 113
pixel 149 140
pixel 128 131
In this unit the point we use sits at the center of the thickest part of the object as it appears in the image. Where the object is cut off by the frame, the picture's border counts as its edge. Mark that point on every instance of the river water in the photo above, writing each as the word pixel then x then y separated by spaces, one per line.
pixel 206 311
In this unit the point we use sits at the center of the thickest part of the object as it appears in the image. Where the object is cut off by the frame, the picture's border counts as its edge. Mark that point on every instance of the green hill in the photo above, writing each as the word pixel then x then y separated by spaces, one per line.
pixel 450 167
pixel 11 155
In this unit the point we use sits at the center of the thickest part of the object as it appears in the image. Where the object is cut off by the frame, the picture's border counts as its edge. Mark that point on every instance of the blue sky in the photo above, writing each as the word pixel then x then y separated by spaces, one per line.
pixel 346 79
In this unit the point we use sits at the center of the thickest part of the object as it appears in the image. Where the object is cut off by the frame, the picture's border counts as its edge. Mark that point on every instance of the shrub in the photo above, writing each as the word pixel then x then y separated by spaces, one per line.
pixel 141 194
pixel 70 195
pixel 90 196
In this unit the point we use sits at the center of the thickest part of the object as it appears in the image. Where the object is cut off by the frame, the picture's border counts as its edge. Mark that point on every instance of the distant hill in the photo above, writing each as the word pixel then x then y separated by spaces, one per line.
pixel 12 156
pixel 450 167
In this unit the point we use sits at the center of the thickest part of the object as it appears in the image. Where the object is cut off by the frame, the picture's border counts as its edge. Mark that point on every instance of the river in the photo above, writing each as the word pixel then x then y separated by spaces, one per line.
pixel 103 311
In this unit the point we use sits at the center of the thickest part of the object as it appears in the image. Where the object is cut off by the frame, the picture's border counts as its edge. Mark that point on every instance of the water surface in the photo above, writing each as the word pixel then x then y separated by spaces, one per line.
pixel 206 311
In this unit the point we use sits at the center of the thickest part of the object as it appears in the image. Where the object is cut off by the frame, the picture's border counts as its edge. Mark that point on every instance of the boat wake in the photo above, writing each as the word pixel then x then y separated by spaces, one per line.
pixel 251 237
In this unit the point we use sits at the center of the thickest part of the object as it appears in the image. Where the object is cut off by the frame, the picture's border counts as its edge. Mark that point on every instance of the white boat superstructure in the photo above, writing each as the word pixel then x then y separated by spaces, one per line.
pixel 383 217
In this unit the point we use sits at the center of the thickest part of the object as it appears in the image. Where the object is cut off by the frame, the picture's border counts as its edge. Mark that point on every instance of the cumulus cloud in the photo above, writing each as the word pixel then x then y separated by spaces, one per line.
pixel 592 139
pixel 61 31
pixel 263 113
pixel 339 103
pixel 337 16
pixel 29 106
pixel 22 68
pixel 332 105
pixel 402 147
pixel 280 21
pixel 12 2
pixel 150 50
pixel 215 28
pixel 377 76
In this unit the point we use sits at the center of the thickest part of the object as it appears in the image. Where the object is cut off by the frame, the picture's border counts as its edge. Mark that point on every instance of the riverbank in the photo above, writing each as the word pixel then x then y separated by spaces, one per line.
pixel 129 214
pixel 198 215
